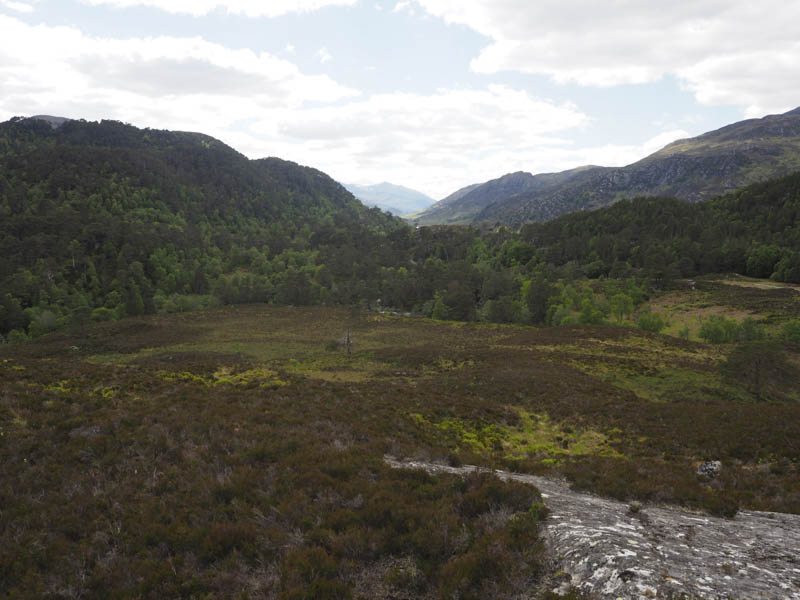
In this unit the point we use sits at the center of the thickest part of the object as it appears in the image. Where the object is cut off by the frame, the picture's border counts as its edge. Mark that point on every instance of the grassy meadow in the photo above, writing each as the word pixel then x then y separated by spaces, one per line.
pixel 238 451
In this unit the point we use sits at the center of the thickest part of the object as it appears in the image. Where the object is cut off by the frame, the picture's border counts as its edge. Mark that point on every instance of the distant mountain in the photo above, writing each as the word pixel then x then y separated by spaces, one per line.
pixel 466 204
pixel 396 199
pixel 692 169
pixel 441 211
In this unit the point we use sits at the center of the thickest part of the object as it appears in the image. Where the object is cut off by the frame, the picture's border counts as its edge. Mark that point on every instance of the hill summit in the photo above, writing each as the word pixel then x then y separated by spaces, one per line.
pixel 101 220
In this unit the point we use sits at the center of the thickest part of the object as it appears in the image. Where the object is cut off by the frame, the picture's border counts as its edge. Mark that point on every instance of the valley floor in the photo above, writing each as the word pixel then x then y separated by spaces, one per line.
pixel 237 452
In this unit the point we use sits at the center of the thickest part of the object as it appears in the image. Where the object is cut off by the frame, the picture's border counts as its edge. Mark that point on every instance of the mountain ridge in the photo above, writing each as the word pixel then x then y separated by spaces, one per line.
pixel 693 169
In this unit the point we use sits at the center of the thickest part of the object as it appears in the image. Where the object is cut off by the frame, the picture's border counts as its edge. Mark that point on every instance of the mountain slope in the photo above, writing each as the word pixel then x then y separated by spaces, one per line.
pixel 80 155
pixel 110 220
pixel 692 169
pixel 466 204
pixel 396 199
pixel 440 212
pixel 754 231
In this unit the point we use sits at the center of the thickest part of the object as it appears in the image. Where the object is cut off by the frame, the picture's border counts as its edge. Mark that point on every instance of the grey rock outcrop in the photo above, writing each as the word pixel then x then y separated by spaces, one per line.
pixel 709 469
pixel 608 551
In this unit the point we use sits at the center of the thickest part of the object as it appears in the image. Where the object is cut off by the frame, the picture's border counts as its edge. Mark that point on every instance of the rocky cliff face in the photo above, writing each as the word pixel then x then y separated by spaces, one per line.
pixel 693 169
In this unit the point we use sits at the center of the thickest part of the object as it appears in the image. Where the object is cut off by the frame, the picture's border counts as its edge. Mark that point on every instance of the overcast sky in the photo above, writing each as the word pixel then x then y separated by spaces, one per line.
pixel 430 94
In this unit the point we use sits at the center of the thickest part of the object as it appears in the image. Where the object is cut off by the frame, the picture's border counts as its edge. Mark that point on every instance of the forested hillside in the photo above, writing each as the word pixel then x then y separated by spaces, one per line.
pixel 755 231
pixel 101 220
pixel 104 220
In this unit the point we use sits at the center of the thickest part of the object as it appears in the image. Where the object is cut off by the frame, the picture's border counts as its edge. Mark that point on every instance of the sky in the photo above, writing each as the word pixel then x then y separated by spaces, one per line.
pixel 430 94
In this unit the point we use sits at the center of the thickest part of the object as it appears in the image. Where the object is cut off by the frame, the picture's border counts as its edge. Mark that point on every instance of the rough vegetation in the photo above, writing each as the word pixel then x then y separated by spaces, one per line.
pixel 237 451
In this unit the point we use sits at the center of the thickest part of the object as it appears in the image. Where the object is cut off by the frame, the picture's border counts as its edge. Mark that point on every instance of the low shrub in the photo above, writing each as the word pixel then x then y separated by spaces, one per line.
pixel 103 314
pixel 651 321
pixel 791 331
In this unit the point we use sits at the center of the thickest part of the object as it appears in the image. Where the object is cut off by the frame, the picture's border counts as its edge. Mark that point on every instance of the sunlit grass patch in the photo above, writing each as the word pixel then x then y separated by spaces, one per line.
pixel 685 312
pixel 9 364
pixel 264 378
pixel 620 359
pixel 539 436
pixel 336 368
pixel 307 342
pixel 671 384
pixel 535 437
pixel 443 365
pixel 65 386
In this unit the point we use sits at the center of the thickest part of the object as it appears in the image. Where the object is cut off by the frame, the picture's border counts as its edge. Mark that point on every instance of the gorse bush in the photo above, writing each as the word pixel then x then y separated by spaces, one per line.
pixel 184 302
pixel 103 314
pixel 589 304
pixel 42 321
pixel 719 330
pixel 16 336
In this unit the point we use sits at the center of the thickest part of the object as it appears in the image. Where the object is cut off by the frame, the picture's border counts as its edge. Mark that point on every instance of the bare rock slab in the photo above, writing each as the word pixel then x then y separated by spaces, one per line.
pixel 607 550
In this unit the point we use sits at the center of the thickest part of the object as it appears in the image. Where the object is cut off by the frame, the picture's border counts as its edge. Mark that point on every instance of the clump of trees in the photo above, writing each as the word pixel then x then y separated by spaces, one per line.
pixel 763 368
pixel 720 330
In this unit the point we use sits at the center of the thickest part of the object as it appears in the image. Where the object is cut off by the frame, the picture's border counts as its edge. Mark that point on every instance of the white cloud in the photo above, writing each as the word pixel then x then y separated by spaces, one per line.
pixel 324 56
pixel 725 51
pixel 434 142
pixel 22 7
pixel 264 106
pixel 248 8
pixel 165 81
pixel 440 143
pixel 616 155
